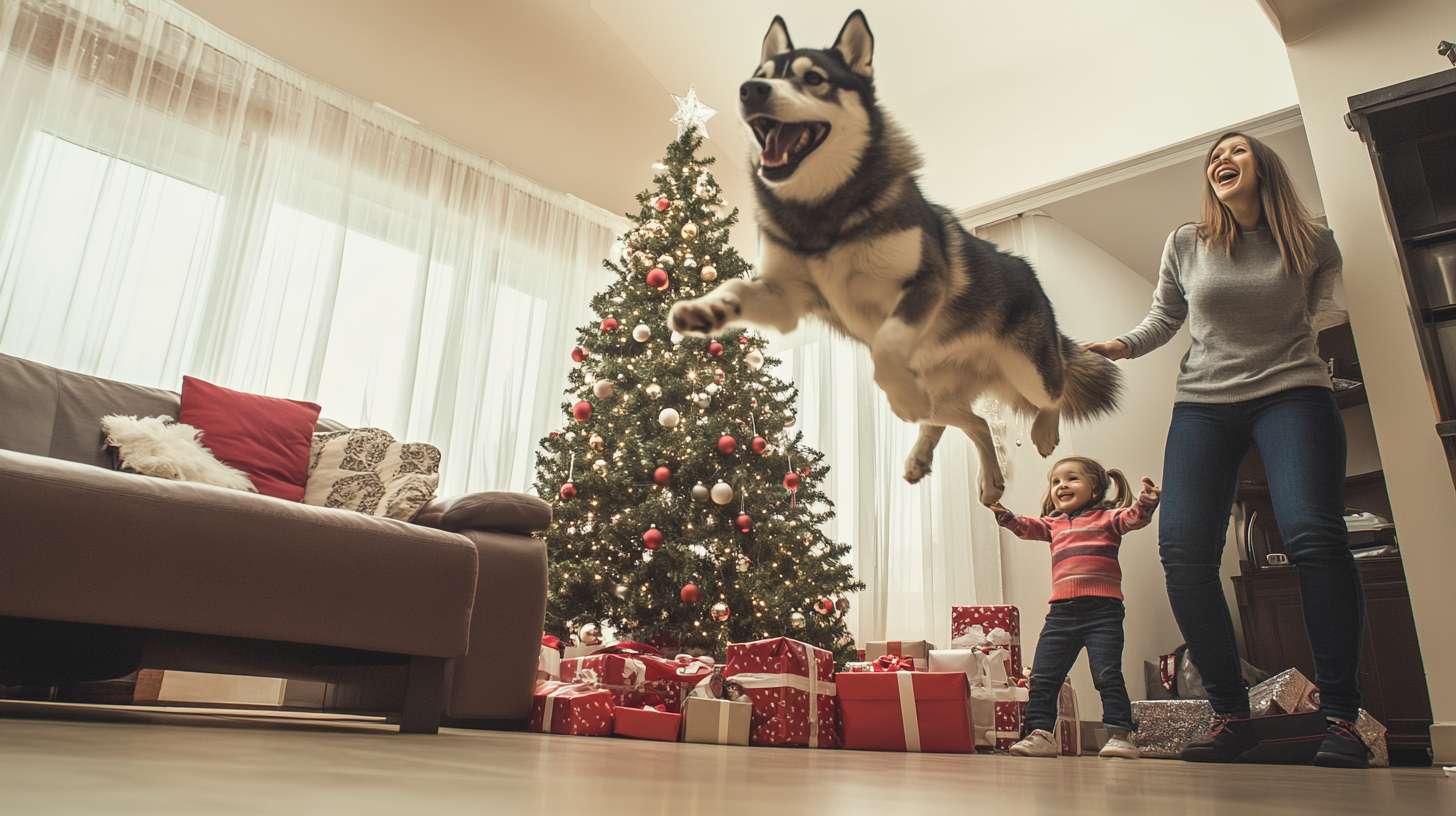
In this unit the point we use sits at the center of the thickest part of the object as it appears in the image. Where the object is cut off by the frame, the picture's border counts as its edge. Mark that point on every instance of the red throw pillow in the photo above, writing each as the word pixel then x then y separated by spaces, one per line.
pixel 265 437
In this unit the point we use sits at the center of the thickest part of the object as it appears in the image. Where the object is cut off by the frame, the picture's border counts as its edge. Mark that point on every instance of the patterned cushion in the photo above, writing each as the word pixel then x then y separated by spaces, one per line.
pixel 364 469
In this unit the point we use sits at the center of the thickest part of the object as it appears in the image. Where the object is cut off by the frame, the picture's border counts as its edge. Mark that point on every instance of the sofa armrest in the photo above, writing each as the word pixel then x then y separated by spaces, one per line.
pixel 505 512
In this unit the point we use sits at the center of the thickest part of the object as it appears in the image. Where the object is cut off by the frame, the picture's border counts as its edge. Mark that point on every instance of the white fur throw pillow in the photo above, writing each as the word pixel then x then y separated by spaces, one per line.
pixel 163 447
pixel 366 470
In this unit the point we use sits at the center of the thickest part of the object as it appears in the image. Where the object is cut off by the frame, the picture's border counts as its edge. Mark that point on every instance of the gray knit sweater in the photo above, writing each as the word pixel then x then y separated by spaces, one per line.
pixel 1252 325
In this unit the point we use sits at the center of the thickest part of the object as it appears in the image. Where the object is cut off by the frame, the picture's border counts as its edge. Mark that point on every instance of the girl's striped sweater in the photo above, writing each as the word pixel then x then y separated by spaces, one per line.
pixel 1084 545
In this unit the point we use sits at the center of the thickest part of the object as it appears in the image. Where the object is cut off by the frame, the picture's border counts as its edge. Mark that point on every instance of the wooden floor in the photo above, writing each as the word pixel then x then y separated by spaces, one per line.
pixel 59 759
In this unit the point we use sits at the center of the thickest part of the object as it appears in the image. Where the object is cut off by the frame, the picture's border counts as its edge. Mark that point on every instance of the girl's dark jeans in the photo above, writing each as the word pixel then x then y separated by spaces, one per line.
pixel 1095 623
pixel 1302 439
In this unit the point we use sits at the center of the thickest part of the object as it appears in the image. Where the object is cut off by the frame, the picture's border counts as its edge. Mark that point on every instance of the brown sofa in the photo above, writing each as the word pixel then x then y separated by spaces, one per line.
pixel 103 572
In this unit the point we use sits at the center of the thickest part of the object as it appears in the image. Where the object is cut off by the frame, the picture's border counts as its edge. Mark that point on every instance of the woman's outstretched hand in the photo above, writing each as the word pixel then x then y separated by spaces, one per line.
pixel 1151 492
pixel 1111 349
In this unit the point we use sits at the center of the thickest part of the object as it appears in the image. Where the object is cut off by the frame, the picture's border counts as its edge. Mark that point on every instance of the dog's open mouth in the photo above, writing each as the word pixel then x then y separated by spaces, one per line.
pixel 785 144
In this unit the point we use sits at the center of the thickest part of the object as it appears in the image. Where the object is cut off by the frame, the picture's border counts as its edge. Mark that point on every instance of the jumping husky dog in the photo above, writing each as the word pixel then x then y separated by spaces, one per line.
pixel 849 239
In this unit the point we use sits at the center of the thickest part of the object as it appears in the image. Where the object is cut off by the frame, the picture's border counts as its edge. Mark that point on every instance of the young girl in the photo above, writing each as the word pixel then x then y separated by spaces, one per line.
pixel 1252 279
pixel 1085 529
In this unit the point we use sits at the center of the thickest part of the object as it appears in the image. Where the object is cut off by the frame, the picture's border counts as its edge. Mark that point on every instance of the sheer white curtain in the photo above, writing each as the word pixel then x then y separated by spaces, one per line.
pixel 919 548
pixel 174 202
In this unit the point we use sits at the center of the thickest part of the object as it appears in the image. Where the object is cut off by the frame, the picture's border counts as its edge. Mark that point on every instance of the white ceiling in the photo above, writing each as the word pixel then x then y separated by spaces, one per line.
pixel 1002 96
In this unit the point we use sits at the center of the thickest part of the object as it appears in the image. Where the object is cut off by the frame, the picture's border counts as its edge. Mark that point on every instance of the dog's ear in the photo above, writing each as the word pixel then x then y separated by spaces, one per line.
pixel 776 41
pixel 857 44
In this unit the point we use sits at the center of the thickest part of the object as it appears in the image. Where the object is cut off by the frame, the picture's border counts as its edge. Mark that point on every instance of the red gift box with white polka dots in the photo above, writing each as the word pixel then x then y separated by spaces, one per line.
pixel 571 708
pixel 994 616
pixel 792 688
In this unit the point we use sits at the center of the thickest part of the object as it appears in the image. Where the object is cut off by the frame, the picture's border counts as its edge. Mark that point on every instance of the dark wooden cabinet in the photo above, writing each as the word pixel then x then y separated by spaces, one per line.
pixel 1410 130
pixel 1392 676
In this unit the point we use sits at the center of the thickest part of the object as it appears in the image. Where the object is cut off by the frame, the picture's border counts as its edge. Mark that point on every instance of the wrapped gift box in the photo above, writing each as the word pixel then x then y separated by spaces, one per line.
pixel 571 708
pixel 1165 726
pixel 1010 719
pixel 1287 692
pixel 638 678
pixel 717 722
pixel 989 618
pixel 907 711
pixel 647 723
pixel 792 688
pixel 916 650
pixel 1374 735
pixel 548 665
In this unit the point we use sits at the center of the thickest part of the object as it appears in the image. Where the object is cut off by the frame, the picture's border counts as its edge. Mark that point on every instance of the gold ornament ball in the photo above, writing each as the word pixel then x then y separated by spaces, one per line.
pixel 708 273
pixel 842 604
pixel 689 231
pixel 590 635
pixel 798 621
pixel 596 442
pixel 700 492
pixel 654 391
pixel 719 612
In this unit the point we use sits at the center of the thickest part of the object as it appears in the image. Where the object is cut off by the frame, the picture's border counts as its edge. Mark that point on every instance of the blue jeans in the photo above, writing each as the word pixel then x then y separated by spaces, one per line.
pixel 1095 623
pixel 1302 439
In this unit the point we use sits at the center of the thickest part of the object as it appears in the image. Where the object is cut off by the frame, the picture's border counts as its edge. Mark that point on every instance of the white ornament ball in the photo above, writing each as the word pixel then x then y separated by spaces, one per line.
pixel 669 418
pixel 702 400
pixel 712 388
pixel 797 620
pixel 590 635
pixel 700 492
pixel 603 389
pixel 653 391
pixel 665 261
pixel 708 273
pixel 641 334
pixel 754 359
pixel 676 337
pixel 600 466
pixel 722 493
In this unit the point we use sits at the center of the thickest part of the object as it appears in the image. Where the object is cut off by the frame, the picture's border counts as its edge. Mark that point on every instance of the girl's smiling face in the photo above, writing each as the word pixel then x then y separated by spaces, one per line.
pixel 1071 487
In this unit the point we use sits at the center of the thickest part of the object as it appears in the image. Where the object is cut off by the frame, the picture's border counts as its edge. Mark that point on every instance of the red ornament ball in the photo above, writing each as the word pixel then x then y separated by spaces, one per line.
pixel 662 475
pixel 759 444
pixel 582 411
pixel 691 594
pixel 578 354
pixel 657 279
pixel 824 606
pixel 791 481
pixel 652 538
pixel 743 341
pixel 610 324
pixel 744 522
pixel 727 444
pixel 568 491
pixel 715 348
pixel 661 203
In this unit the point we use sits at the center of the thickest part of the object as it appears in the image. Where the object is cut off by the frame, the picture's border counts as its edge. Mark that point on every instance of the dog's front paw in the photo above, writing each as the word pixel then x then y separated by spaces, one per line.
pixel 917 467
pixel 704 316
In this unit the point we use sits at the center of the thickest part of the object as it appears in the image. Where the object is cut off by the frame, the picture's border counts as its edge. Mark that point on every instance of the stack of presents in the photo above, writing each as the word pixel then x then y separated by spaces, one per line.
pixel 901 695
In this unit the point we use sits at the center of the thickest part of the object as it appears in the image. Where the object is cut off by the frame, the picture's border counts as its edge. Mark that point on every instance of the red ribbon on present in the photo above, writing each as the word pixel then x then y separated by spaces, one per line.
pixel 892 663
pixel 551 642
pixel 1168 671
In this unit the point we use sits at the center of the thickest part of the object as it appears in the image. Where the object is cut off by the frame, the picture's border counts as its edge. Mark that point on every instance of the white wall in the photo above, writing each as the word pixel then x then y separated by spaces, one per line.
pixel 1096 297
pixel 1361 47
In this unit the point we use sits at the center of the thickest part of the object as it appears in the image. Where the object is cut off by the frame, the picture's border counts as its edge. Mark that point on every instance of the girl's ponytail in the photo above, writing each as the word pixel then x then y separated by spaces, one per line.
pixel 1124 496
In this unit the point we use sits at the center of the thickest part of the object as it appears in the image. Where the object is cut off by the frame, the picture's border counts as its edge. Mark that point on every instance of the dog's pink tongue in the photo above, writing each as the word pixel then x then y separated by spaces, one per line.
pixel 780 139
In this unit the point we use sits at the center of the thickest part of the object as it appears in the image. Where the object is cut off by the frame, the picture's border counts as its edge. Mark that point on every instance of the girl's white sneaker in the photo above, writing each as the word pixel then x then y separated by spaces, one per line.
pixel 1037 744
pixel 1120 748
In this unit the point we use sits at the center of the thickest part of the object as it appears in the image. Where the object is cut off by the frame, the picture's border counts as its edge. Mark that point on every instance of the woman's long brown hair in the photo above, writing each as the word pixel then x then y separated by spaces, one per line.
pixel 1291 224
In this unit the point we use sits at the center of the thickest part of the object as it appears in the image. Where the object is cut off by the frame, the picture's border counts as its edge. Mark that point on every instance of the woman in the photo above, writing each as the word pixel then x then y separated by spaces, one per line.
pixel 1248 278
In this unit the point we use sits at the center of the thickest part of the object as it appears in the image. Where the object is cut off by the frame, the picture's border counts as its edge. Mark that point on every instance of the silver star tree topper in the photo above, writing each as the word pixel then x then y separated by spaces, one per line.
pixel 691 114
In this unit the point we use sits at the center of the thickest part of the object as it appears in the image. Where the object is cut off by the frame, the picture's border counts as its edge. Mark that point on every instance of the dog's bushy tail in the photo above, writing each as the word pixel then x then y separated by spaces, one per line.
pixel 1093 383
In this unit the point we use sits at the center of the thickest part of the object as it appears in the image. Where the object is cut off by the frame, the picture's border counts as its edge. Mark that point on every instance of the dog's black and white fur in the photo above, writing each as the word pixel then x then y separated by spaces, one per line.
pixel 849 238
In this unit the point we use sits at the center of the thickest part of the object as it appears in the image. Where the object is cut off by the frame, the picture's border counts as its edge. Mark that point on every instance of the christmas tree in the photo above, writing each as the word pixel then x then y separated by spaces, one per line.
pixel 687 512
